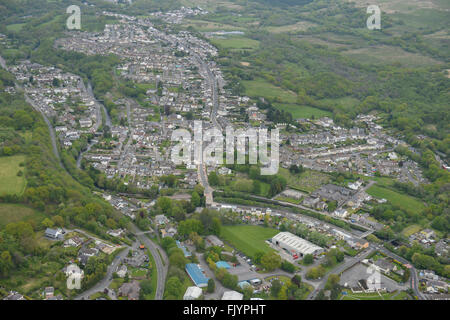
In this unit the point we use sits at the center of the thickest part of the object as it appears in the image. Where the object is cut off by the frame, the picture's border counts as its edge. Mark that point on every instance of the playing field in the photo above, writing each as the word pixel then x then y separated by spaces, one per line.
pixel 248 239
pixel 397 199
pixel 11 183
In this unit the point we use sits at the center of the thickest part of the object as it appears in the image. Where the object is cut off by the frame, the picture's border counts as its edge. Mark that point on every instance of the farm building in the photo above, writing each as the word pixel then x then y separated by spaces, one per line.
pixel 295 245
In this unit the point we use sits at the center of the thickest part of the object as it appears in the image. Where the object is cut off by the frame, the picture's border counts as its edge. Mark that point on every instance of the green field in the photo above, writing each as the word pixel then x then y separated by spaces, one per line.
pixel 15 212
pixel 371 296
pixel 16 27
pixel 262 88
pixel 409 230
pixel 248 239
pixel 401 200
pixel 307 181
pixel 302 112
pixel 240 43
pixel 11 183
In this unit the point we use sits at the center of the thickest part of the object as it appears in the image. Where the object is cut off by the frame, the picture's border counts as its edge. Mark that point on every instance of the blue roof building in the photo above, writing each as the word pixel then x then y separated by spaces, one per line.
pixel 222 264
pixel 196 275
pixel 186 252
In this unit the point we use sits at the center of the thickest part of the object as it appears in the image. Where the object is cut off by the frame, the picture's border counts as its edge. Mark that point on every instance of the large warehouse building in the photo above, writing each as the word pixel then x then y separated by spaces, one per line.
pixel 295 245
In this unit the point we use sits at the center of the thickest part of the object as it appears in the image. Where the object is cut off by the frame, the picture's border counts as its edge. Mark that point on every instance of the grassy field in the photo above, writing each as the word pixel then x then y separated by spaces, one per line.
pixel 302 112
pixel 401 200
pixel 11 183
pixel 306 181
pixel 15 212
pixel 248 239
pixel 262 88
pixel 236 43
pixel 16 27
pixel 369 296
pixel 409 230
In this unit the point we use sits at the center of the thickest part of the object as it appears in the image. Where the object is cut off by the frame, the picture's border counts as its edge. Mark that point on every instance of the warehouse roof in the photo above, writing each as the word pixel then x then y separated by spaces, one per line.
pixel 232 295
pixel 296 243
pixel 196 275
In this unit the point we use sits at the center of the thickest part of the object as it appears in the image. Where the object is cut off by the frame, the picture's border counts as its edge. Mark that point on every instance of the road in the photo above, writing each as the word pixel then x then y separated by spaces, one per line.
pixel 161 267
pixel 348 262
pixel 106 281
pixel 414 280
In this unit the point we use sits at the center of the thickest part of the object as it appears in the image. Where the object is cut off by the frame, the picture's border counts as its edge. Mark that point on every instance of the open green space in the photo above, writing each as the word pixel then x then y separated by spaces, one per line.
pixel 241 43
pixel 248 239
pixel 302 112
pixel 11 183
pixel 16 212
pixel 306 181
pixel 262 88
pixel 397 199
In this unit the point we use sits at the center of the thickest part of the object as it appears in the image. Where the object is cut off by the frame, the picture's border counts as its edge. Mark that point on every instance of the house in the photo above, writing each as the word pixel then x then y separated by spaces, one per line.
pixel 427 233
pixel 214 241
pixel 192 293
pixel 54 234
pixel 122 271
pixel 161 219
pixel 130 290
pixel 49 292
pixel 73 242
pixel 13 295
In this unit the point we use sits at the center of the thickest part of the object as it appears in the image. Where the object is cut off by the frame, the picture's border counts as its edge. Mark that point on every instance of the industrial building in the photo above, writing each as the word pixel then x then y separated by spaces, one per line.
pixel 196 275
pixel 232 295
pixel 296 246
pixel 192 293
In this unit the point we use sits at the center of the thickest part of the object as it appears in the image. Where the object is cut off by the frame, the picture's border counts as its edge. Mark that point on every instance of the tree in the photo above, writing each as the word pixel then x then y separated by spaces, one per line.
pixel 195 199
pixel 47 223
pixel 174 287
pixel 213 179
pixel 211 286
pixel 308 259
pixel 146 288
pixel 287 266
pixel 5 263
pixel 275 288
pixel 271 261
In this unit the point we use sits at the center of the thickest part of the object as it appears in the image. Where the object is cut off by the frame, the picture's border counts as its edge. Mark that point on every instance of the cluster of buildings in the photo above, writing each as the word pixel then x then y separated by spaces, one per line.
pixel 62 97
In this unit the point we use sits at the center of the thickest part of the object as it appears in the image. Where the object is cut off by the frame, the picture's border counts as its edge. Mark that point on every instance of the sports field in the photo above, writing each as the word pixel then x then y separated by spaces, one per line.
pixel 248 239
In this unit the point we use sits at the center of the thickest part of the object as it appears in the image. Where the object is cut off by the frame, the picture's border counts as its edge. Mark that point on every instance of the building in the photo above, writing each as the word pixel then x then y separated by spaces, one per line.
pixel 222 264
pixel 214 241
pixel 196 274
pixel 186 252
pixel 54 234
pixel 232 295
pixel 192 293
pixel 295 245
